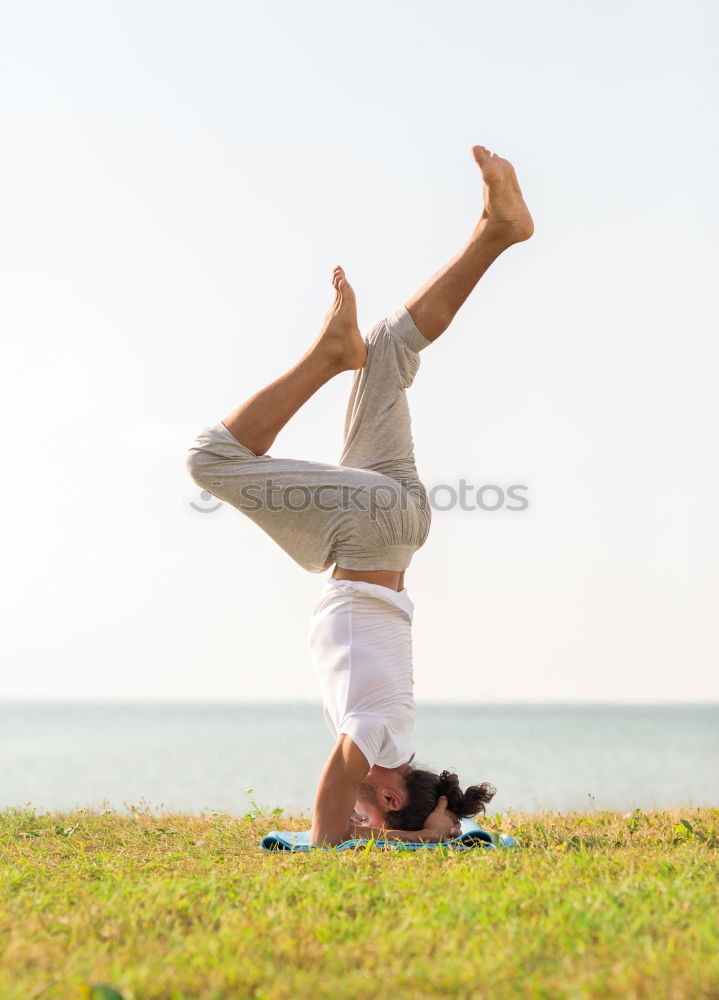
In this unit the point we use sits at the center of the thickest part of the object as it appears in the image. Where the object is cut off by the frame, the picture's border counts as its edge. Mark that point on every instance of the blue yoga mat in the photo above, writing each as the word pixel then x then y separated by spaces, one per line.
pixel 470 837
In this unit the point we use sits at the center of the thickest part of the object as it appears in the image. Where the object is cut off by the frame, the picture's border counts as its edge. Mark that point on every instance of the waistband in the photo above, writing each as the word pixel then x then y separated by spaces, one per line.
pixel 395 558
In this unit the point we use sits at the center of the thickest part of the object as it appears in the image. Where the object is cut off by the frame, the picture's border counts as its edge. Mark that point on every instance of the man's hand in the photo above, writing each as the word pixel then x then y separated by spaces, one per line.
pixel 441 824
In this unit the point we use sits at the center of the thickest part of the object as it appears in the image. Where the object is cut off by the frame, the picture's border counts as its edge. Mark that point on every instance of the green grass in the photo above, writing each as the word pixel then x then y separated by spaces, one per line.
pixel 173 907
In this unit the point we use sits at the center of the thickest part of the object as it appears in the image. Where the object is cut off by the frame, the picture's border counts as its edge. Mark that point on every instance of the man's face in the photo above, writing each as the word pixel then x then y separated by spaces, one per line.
pixel 368 810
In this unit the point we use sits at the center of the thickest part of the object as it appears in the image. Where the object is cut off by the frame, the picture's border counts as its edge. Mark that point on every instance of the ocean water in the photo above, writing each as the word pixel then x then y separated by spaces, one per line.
pixel 203 757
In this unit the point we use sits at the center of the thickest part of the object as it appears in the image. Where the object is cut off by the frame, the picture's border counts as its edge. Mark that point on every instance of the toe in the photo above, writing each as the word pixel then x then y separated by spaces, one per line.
pixel 480 154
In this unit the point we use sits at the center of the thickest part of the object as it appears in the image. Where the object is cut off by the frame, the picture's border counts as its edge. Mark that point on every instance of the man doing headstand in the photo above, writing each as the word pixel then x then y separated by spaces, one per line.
pixel 366 517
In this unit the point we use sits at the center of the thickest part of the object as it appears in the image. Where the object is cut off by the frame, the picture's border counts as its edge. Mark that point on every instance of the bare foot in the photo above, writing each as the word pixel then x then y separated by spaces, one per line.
pixel 504 206
pixel 340 335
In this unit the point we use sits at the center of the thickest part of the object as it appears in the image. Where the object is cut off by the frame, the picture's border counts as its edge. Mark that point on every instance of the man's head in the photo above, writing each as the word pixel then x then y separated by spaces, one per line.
pixel 401 798
pixel 382 791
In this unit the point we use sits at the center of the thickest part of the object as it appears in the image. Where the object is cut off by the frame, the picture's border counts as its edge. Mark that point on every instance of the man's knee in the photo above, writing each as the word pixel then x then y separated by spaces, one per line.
pixel 197 463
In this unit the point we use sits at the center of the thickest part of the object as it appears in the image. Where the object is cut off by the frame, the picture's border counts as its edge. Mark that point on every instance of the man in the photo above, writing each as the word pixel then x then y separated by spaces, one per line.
pixel 366 516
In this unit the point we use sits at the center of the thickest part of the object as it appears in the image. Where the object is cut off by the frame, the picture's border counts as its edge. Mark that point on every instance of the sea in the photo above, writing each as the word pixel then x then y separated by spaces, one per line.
pixel 236 758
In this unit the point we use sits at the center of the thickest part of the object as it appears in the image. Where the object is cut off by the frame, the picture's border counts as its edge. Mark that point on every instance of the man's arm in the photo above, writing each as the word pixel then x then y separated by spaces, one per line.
pixel 337 793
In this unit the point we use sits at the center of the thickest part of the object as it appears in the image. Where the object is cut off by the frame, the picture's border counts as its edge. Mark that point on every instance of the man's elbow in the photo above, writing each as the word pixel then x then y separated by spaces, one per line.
pixel 327 838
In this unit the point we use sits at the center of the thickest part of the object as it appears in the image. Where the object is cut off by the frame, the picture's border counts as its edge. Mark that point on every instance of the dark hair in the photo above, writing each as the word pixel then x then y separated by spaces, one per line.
pixel 424 789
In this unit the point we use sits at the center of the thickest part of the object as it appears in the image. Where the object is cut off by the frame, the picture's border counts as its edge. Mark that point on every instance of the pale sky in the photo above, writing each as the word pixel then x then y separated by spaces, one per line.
pixel 178 180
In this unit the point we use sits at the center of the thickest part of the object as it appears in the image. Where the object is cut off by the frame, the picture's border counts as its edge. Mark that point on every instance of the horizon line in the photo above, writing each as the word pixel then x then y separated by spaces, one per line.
pixel 489 703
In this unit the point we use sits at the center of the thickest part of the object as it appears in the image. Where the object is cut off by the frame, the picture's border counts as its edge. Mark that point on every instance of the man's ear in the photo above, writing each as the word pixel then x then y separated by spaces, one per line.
pixel 391 799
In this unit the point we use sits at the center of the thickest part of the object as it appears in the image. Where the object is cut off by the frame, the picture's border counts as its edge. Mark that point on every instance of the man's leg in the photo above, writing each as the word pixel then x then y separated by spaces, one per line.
pixel 378 427
pixel 298 503
pixel 505 220
pixel 339 347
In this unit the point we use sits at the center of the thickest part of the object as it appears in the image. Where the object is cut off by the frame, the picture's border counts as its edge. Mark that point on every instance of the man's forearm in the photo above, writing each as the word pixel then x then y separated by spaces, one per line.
pixel 345 768
pixel 358 832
